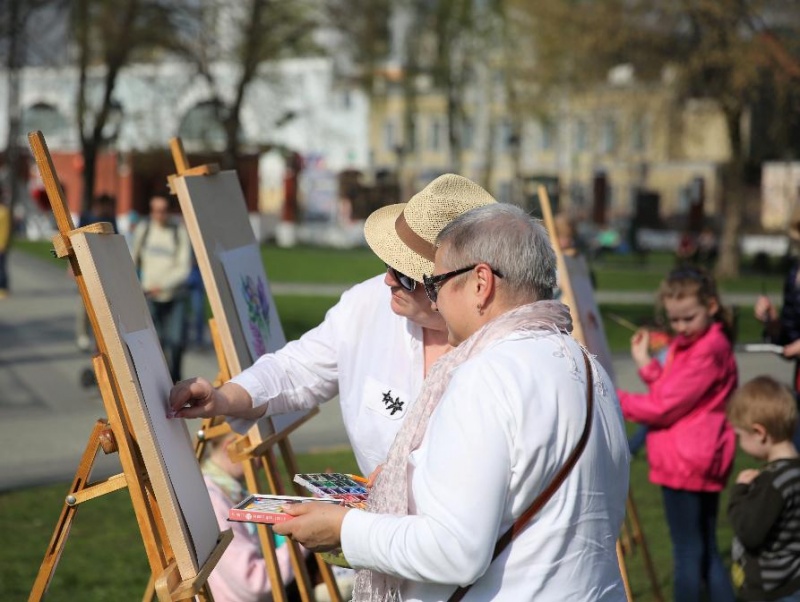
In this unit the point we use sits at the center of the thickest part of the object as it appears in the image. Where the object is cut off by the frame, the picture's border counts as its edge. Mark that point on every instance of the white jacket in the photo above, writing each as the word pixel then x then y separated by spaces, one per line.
pixel 506 424
pixel 364 352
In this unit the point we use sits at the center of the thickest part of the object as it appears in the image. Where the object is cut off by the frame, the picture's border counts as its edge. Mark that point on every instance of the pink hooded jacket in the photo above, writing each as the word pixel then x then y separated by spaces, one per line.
pixel 690 444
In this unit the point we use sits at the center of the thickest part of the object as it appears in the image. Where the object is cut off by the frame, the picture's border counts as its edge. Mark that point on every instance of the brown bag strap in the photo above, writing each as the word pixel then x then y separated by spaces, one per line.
pixel 545 495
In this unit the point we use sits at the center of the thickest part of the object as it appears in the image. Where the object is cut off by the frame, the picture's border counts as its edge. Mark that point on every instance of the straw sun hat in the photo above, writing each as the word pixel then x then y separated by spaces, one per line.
pixel 402 235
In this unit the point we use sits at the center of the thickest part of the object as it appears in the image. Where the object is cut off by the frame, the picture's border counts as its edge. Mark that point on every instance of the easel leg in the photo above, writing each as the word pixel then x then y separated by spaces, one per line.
pixel 267 542
pixel 325 570
pixel 624 572
pixel 59 539
pixel 269 463
pixel 638 537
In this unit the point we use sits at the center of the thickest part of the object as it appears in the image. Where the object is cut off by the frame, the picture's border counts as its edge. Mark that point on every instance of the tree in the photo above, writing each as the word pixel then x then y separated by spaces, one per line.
pixel 724 51
pixel 109 35
pixel 256 31
pixel 15 50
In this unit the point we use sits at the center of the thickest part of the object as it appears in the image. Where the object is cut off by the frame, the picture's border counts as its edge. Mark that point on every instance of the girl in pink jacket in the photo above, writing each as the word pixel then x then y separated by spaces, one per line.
pixel 690 445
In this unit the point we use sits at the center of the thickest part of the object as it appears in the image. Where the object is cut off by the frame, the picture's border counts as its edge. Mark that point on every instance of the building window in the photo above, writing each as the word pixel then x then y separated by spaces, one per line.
pixel 581 135
pixel 608 135
pixel 44 117
pixel 435 137
pixel 467 133
pixel 202 127
pixel 504 138
pixel 547 135
pixel 389 136
pixel 638 136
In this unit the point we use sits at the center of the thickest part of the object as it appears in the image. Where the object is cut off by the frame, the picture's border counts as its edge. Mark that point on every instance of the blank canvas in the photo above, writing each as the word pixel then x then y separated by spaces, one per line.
pixel 143 381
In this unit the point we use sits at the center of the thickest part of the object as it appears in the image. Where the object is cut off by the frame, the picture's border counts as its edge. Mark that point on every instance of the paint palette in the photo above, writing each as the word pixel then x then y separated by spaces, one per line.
pixel 348 489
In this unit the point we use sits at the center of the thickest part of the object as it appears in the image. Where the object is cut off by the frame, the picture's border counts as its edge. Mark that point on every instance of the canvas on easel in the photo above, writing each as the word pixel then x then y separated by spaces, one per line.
pixel 171 503
pixel 577 293
pixel 245 325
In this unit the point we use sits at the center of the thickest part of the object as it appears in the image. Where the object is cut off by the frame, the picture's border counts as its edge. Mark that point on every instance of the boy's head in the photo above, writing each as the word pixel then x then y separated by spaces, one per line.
pixel 765 407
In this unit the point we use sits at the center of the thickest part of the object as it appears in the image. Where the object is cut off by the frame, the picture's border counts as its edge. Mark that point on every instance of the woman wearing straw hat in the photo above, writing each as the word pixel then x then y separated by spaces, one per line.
pixel 516 431
pixel 374 347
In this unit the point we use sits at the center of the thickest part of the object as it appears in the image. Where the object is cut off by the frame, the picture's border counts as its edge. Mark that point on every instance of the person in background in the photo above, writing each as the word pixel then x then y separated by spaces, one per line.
pixel 241 573
pixel 764 505
pixel 783 328
pixel 163 257
pixel 375 346
pixel 6 226
pixel 197 303
pixel 570 244
pixel 102 209
pixel 500 415
pixel 690 445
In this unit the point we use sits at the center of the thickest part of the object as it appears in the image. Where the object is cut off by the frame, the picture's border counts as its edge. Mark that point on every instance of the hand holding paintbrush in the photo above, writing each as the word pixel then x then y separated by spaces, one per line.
pixel 656 339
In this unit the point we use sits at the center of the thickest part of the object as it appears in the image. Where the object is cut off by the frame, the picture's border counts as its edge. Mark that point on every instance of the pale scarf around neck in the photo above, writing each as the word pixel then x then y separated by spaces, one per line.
pixel 390 493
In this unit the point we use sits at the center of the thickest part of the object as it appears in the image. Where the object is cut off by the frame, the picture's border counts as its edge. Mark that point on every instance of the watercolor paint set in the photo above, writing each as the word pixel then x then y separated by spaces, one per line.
pixel 349 489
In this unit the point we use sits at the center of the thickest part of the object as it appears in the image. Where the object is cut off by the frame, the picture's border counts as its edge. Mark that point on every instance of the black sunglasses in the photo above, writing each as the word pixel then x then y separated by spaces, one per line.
pixel 407 282
pixel 434 283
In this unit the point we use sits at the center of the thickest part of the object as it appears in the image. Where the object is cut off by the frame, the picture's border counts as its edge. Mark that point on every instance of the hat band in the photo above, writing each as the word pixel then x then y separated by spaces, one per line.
pixel 413 240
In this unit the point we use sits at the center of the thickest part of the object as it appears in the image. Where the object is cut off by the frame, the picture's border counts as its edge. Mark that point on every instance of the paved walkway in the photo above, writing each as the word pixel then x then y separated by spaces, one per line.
pixel 46 415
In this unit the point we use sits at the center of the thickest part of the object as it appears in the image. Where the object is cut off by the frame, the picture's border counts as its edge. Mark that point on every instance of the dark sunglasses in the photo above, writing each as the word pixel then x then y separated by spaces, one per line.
pixel 407 282
pixel 434 283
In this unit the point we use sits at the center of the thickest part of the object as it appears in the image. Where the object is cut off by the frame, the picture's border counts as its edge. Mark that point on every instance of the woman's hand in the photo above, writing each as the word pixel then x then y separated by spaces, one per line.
pixel 198 398
pixel 317 525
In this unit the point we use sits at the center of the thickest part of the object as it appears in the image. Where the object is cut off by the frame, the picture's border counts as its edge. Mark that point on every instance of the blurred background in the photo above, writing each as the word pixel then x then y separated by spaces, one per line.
pixel 656 124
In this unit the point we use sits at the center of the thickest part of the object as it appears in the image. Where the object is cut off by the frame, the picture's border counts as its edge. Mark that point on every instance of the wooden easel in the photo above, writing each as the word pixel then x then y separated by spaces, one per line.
pixel 257 447
pixel 632 534
pixel 157 515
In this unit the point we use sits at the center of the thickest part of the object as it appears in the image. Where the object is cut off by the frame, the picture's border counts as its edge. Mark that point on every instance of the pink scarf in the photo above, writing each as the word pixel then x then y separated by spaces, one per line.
pixel 390 493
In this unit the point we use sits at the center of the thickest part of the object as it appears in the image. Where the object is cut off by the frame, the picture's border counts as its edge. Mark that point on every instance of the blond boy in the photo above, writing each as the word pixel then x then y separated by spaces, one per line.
pixel 764 506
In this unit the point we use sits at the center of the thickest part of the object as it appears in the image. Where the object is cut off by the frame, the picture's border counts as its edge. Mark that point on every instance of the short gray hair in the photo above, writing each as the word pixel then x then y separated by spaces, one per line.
pixel 510 241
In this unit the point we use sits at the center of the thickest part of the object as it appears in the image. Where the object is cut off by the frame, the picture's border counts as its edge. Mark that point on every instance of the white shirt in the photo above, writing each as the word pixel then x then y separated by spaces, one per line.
pixel 507 422
pixel 363 351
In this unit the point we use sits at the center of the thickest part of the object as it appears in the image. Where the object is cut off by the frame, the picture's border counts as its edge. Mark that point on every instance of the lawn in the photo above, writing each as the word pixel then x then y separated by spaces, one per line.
pixel 105 559
pixel 349 266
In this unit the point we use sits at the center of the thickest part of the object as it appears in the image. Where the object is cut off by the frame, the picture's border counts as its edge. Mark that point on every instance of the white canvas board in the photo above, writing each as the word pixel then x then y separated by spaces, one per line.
pixel 255 306
pixel 591 320
pixel 116 297
pixel 174 443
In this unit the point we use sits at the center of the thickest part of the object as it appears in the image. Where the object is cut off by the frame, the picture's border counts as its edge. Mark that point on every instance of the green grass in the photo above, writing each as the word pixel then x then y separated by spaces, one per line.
pixel 104 558
pixel 324 266
pixel 349 266
pixel 299 314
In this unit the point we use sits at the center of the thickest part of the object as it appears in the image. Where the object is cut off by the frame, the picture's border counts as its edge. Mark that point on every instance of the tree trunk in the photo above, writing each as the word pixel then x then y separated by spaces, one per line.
pixel 734 196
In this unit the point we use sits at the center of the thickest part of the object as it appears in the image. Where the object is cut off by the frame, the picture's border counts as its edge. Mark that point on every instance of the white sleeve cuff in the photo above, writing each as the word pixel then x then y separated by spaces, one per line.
pixel 356 528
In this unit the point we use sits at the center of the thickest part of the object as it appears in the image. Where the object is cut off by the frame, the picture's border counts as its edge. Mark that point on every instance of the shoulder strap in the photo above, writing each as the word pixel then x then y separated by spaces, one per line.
pixel 545 495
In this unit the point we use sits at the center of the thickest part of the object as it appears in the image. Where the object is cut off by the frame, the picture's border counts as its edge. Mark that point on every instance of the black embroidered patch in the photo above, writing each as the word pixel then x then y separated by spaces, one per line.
pixel 392 403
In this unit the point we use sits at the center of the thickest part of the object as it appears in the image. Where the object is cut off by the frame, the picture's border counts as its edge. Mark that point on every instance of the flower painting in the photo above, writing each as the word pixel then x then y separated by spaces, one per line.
pixel 254 292
pixel 255 307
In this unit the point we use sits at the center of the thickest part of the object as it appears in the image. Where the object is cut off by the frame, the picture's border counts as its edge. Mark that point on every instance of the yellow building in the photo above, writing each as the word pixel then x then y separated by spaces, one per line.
pixel 627 134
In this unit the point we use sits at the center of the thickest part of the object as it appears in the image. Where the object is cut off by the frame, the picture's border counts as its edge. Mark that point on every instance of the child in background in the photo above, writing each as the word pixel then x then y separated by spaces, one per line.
pixel 690 445
pixel 764 506
pixel 241 573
